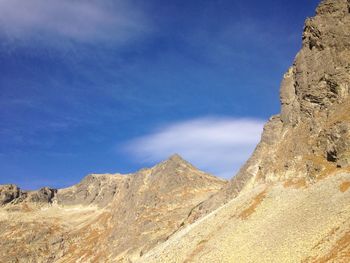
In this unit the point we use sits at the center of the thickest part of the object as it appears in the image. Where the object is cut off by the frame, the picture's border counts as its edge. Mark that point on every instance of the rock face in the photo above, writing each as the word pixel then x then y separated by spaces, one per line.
pixel 94 189
pixel 312 132
pixel 13 194
pixel 104 218
pixel 310 138
pixel 45 195
pixel 8 193
pixel 288 203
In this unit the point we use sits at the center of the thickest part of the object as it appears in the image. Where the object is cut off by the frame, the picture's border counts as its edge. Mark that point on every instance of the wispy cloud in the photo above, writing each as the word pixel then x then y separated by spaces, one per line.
pixel 82 21
pixel 216 145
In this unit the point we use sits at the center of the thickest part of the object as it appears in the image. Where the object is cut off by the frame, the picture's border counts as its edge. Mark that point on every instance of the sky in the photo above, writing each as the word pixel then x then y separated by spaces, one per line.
pixel 114 86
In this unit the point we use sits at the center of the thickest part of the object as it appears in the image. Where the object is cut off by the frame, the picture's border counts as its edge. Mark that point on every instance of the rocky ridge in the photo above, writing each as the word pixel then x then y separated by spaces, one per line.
pixel 12 194
pixel 125 215
pixel 290 201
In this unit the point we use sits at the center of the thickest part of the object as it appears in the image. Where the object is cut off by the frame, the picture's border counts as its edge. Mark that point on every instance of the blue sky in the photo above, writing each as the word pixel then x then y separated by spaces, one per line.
pixel 114 86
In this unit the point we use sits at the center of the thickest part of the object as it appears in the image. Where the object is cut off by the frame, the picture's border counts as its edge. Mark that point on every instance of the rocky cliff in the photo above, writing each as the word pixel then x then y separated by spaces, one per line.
pixel 310 138
pixel 290 201
pixel 104 218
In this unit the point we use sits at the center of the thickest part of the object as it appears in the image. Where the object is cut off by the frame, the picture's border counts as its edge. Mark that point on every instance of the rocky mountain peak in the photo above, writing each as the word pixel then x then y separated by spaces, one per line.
pixel 119 218
pixel 331 7
pixel 310 138
pixel 176 158
pixel 319 77
pixel 311 134
pixel 174 173
pixel 315 91
pixel 126 215
pixel 175 161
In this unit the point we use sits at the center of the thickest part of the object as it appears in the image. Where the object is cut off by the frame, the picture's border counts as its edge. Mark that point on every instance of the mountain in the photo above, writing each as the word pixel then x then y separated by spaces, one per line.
pixel 290 201
pixel 104 218
pixel 310 138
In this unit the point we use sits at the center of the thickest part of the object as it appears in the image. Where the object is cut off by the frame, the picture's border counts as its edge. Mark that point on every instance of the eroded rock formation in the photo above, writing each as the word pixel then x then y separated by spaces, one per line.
pixel 311 136
pixel 104 218
pixel 290 201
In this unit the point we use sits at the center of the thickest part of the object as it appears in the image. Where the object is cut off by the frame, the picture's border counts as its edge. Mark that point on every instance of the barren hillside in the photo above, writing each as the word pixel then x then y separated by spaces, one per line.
pixel 105 218
pixel 290 201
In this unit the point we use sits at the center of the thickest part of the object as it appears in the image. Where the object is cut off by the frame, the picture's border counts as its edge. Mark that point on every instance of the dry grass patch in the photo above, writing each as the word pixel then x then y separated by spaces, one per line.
pixel 340 252
pixel 88 237
pixel 200 247
pixel 334 247
pixel 297 184
pixel 252 207
pixel 326 168
pixel 344 186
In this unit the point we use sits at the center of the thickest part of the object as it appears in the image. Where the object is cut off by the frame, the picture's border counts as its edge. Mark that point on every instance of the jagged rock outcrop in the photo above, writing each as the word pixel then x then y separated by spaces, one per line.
pixel 94 189
pixel 290 201
pixel 315 101
pixel 13 194
pixel 104 218
pixel 311 136
pixel 8 193
pixel 45 195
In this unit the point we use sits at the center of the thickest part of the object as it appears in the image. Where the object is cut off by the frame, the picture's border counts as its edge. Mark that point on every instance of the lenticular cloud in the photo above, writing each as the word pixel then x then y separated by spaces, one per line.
pixel 216 145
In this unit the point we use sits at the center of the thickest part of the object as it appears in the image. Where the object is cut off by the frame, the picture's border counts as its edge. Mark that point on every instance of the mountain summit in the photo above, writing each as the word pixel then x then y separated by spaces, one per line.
pixel 310 138
pixel 125 215
pixel 290 201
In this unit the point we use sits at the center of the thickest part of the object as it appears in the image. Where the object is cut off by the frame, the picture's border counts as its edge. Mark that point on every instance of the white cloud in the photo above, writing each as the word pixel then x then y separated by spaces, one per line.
pixel 216 145
pixel 79 20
